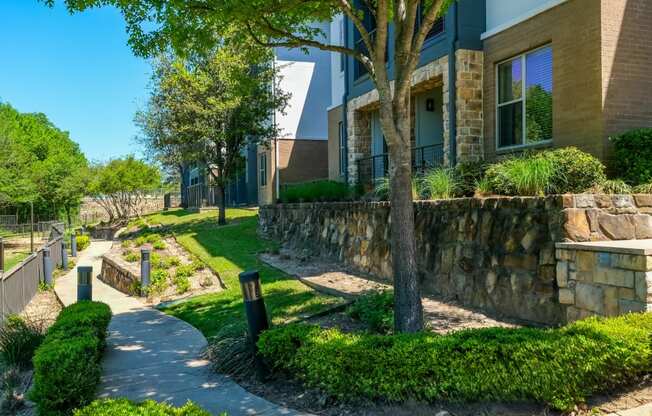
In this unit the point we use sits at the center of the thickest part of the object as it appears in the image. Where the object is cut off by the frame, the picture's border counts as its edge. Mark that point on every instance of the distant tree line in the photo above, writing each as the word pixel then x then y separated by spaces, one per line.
pixel 39 165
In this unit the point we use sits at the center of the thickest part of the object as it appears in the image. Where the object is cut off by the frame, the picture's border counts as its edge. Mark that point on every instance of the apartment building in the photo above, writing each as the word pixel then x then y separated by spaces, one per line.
pixel 498 77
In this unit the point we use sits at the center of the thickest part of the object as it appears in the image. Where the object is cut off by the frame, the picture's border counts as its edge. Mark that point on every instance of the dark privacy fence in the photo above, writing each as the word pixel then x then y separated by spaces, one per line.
pixel 19 285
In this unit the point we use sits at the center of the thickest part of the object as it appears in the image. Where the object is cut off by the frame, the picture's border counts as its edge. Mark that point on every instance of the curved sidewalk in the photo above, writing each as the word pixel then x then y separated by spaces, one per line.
pixel 151 355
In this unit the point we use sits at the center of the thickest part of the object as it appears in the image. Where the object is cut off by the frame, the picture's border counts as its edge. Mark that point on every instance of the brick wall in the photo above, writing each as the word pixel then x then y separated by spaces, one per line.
pixel 573 29
pixel 302 160
pixel 626 63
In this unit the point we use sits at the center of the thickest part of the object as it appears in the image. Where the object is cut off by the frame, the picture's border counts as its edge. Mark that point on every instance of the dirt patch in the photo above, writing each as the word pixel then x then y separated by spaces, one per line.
pixel 440 315
pixel 203 280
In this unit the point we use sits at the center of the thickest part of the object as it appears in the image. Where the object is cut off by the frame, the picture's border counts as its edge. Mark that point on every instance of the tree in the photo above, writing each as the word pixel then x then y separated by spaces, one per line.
pixel 120 185
pixel 39 164
pixel 194 24
pixel 208 108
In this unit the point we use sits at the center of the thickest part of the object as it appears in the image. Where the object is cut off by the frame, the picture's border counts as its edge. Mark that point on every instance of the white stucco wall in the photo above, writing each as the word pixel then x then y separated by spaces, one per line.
pixel 504 13
pixel 337 73
pixel 307 77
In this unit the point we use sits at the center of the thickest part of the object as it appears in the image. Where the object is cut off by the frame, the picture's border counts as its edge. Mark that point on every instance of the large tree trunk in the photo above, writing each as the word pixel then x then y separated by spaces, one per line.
pixel 408 311
pixel 222 201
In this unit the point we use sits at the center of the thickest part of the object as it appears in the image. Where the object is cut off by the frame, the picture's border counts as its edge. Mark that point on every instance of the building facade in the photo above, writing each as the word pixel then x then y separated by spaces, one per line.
pixel 499 77
pixel 300 152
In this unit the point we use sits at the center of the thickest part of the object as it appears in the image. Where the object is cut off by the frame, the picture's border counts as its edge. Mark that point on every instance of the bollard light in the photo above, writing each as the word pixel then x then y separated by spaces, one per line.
pixel 47 266
pixel 73 244
pixel 166 202
pixel 145 269
pixel 254 304
pixel 64 256
pixel 84 283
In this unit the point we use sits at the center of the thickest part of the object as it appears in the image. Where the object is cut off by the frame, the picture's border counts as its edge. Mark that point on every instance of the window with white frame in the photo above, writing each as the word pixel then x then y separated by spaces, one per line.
pixel 524 105
pixel 263 169
pixel 342 139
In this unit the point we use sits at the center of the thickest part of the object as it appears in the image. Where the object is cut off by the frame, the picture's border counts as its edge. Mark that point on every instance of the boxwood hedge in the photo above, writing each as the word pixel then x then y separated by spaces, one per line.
pixel 125 407
pixel 67 366
pixel 560 367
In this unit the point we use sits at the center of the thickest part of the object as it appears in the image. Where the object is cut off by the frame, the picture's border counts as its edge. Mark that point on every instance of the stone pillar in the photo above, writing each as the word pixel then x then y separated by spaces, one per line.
pixel 47 266
pixel 469 106
pixel 358 140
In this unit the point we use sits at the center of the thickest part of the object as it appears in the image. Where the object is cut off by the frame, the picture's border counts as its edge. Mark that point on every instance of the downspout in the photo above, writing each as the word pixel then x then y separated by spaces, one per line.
pixel 345 102
pixel 452 86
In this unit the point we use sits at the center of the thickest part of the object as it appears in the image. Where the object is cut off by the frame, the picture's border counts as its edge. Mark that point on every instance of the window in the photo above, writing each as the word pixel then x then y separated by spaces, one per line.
pixel 263 169
pixel 342 137
pixel 437 27
pixel 369 23
pixel 524 113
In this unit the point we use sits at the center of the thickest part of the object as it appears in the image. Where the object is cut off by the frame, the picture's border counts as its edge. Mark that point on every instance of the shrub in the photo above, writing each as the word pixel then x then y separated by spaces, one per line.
pixel 645 188
pixel 125 407
pixel 376 310
pixel 529 175
pixel 159 245
pixel 130 256
pixel 633 156
pixel 561 367
pixel 182 284
pixel 126 243
pixel 575 171
pixel 171 261
pixel 140 241
pixel 67 365
pixel 19 339
pixel 613 187
pixel 156 261
pixel 439 183
pixel 469 174
pixel 198 265
pixel 153 238
pixel 158 282
pixel 83 241
pixel 317 191
pixel 381 190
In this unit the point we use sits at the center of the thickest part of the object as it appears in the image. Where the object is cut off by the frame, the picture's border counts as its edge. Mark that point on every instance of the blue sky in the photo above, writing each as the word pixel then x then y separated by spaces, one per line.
pixel 77 69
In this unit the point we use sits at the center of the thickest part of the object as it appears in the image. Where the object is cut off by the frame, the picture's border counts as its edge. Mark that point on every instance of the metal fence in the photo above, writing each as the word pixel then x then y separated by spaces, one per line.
pixel 203 196
pixel 20 284
pixel 8 219
pixel 372 169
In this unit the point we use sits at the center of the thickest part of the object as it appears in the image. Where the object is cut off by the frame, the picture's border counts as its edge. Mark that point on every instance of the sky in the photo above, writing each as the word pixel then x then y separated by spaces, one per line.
pixel 76 69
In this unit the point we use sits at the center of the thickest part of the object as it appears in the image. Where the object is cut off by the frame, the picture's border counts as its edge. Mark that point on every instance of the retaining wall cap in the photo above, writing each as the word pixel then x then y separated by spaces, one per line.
pixel 637 247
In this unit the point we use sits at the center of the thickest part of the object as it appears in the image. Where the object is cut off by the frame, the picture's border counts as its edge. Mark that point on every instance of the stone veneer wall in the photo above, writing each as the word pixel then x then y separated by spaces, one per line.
pixel 602 281
pixel 497 254
pixel 118 277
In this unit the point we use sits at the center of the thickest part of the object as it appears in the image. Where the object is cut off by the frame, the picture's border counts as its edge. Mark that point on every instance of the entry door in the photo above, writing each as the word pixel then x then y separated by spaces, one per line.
pixel 430 120
pixel 378 148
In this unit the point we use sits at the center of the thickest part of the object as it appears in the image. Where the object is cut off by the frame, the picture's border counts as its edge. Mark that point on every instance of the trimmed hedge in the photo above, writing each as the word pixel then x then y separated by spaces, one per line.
pixel 561 367
pixel 633 156
pixel 83 241
pixel 317 191
pixel 125 407
pixel 67 366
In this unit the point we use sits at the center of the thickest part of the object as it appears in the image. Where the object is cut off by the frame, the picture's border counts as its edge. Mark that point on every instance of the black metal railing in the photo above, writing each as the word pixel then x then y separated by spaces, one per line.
pixel 372 169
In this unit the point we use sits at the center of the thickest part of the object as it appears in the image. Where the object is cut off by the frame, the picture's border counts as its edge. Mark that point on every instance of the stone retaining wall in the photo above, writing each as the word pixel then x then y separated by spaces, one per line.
pixel 497 254
pixel 118 276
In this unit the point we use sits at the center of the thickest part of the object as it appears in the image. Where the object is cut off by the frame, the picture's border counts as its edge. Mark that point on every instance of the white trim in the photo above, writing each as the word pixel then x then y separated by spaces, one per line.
pixel 530 14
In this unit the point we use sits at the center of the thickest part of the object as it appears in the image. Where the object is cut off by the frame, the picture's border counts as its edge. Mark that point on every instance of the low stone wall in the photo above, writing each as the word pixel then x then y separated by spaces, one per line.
pixel 605 279
pixel 118 276
pixel 497 254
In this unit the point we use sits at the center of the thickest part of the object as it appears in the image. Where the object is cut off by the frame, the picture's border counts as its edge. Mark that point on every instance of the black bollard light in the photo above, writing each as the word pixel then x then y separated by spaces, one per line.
pixel 47 266
pixel 145 269
pixel 64 255
pixel 73 244
pixel 254 304
pixel 84 283
pixel 256 314
pixel 166 202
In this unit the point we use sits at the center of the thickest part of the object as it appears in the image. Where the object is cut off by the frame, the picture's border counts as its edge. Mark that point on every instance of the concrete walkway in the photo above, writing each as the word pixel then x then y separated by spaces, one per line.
pixel 154 356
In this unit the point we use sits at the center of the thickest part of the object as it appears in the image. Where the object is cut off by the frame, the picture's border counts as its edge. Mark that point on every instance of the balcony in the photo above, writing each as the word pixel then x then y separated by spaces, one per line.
pixel 373 168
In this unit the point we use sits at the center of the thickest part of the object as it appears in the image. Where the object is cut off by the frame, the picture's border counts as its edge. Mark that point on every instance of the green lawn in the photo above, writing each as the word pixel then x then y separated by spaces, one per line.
pixel 13 259
pixel 229 250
